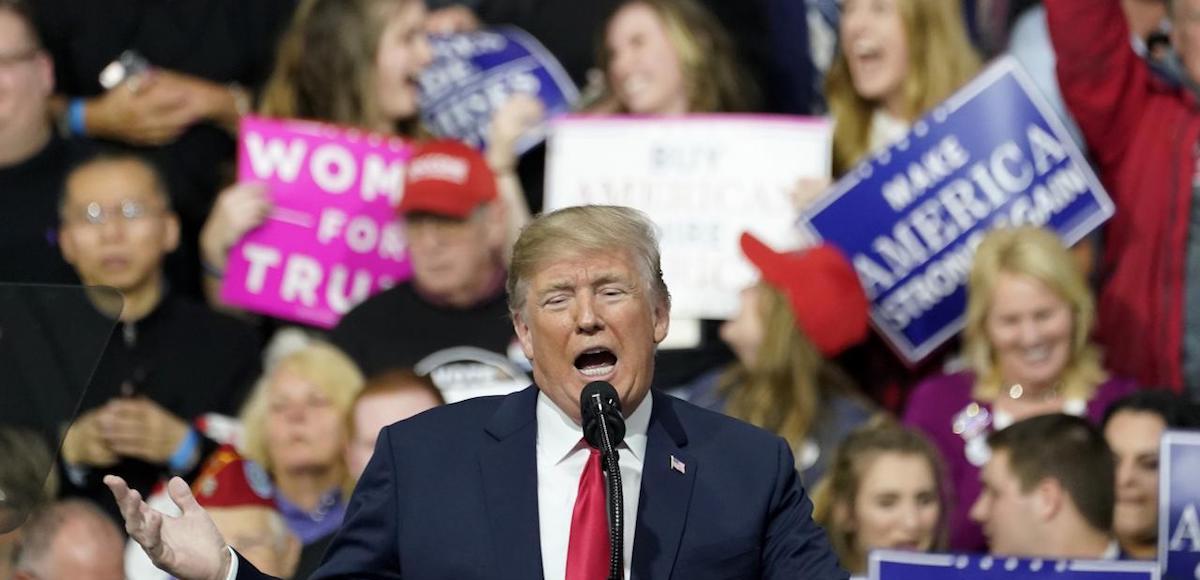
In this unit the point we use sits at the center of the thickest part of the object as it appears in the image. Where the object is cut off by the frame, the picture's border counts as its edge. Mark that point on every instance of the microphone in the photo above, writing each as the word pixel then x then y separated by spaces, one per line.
pixel 604 429
pixel 599 405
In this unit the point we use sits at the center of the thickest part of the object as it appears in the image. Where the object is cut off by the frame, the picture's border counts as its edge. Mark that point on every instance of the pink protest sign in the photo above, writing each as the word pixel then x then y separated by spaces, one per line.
pixel 332 238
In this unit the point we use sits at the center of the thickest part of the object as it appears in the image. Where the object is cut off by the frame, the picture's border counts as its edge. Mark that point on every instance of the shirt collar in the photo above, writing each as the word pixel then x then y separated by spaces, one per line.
pixel 558 435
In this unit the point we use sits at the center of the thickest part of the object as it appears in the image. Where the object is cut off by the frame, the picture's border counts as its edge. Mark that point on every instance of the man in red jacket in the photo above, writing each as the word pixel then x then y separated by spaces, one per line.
pixel 1143 135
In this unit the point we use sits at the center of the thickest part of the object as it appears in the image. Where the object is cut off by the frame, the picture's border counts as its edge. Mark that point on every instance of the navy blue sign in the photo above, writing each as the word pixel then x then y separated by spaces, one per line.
pixel 891 565
pixel 473 74
pixel 1178 502
pixel 911 216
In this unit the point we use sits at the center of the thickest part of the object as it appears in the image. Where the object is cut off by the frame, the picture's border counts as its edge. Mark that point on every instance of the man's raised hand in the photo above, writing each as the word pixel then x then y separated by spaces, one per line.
pixel 188 547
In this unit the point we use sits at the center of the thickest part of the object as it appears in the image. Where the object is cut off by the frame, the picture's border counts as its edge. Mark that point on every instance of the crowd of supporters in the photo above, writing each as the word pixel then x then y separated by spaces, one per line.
pixel 1034 433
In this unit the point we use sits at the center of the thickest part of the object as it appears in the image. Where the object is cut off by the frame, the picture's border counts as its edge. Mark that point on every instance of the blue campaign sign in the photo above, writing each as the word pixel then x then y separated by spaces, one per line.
pixel 1178 502
pixel 911 216
pixel 473 74
pixel 893 565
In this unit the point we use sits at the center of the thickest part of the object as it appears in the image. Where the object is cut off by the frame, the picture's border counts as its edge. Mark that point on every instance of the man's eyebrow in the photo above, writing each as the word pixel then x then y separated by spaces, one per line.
pixel 557 286
pixel 608 278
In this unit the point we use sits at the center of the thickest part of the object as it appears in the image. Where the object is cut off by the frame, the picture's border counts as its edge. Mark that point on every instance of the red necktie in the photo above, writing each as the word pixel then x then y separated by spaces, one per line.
pixel 588 547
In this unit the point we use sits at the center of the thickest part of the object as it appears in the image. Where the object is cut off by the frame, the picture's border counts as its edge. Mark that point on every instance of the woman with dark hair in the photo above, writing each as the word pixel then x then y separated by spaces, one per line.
pixel 1133 427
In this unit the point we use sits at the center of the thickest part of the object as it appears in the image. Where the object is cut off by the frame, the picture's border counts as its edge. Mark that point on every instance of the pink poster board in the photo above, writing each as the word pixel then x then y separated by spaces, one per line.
pixel 332 239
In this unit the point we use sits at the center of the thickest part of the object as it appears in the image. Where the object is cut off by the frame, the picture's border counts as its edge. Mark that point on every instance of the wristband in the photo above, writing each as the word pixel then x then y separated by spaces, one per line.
pixel 75 117
pixel 181 460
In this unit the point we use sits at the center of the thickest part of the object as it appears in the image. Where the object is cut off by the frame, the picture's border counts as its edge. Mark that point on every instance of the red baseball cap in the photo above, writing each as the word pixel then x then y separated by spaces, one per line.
pixel 447 178
pixel 229 480
pixel 822 288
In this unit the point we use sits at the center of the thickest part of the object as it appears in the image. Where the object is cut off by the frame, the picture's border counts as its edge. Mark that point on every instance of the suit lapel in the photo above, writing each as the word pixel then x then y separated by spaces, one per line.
pixel 665 496
pixel 509 468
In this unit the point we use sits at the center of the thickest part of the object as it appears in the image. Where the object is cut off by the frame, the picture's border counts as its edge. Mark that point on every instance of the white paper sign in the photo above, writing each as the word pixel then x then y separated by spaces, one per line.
pixel 703 179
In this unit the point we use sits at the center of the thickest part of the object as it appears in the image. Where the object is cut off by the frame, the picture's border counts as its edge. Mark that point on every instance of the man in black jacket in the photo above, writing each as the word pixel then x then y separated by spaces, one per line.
pixel 170 362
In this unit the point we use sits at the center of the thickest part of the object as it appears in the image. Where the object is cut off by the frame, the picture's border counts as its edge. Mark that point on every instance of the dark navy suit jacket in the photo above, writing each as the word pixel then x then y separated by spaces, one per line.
pixel 452 494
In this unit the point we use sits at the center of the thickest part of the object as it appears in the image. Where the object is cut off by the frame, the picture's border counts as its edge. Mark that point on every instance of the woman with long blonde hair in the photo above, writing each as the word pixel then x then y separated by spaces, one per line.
pixel 1027 343
pixel 808 307
pixel 669 57
pixel 354 63
pixel 897 60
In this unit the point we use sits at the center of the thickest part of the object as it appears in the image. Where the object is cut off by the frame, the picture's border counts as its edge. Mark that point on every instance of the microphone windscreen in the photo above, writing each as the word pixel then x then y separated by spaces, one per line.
pixel 598 401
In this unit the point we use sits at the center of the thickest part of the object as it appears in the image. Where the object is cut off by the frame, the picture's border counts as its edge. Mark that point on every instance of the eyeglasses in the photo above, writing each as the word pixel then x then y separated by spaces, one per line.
pixel 129 211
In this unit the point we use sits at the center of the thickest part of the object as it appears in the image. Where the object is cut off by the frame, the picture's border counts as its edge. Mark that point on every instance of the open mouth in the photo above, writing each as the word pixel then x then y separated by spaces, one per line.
pixel 866 52
pixel 596 362
pixel 1035 355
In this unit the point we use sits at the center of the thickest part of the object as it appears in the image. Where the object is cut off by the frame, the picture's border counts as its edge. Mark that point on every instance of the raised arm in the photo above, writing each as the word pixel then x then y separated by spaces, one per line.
pixel 1105 84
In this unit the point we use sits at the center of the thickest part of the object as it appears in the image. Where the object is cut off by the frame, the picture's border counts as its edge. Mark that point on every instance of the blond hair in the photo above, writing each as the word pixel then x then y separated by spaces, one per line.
pixel 834 498
pixel 325 65
pixel 325 367
pixel 714 82
pixel 789 381
pixel 940 60
pixel 584 230
pixel 1039 254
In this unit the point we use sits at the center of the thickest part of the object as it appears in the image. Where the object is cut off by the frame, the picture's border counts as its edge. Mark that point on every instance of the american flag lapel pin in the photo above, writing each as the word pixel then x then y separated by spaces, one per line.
pixel 677 465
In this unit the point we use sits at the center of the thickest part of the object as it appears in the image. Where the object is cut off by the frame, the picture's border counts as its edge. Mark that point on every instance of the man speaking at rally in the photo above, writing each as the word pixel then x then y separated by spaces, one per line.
pixel 507 487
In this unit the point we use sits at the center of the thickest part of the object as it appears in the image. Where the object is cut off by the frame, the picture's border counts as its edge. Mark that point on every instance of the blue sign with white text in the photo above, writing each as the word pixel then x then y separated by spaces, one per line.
pixel 892 565
pixel 473 74
pixel 910 216
pixel 1178 502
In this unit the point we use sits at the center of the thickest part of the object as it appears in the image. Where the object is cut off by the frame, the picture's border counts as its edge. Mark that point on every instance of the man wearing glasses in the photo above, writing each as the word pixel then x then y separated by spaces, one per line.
pixel 170 362
pixel 33 159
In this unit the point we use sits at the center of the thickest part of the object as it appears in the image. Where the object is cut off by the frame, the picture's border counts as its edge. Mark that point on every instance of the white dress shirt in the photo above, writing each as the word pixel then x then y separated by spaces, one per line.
pixel 561 456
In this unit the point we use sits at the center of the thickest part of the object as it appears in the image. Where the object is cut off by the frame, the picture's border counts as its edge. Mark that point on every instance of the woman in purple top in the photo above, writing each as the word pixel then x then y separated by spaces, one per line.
pixel 1026 342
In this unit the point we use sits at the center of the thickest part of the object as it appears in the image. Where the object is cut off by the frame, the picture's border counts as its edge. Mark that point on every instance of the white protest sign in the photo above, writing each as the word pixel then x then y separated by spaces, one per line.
pixel 703 179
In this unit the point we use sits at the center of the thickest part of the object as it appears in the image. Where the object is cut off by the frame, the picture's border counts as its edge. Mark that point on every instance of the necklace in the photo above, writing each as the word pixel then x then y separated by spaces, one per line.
pixel 1017 391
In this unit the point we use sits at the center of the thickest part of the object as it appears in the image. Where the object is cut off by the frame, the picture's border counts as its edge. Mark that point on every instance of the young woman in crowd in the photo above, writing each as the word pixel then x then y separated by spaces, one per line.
pixel 654 57
pixel 295 427
pixel 1026 343
pixel 808 307
pixel 883 491
pixel 669 57
pixel 1133 427
pixel 898 59
pixel 354 63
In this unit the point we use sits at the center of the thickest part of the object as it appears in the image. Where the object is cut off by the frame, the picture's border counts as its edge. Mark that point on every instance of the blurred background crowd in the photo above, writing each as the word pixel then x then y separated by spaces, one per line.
pixel 1034 433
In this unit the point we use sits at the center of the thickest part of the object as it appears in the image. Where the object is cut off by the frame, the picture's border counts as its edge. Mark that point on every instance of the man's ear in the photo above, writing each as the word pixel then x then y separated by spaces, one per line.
pixel 523 333
pixel 66 244
pixel 662 320
pixel 1049 498
pixel 45 74
pixel 171 234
